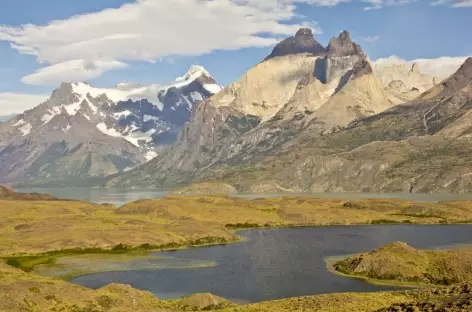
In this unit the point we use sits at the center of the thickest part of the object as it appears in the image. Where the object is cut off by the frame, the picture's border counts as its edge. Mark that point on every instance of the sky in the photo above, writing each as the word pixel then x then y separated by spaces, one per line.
pixel 104 42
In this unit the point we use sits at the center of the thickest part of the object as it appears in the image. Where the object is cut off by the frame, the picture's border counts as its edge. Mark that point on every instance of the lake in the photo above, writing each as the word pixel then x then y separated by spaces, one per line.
pixel 279 263
pixel 121 196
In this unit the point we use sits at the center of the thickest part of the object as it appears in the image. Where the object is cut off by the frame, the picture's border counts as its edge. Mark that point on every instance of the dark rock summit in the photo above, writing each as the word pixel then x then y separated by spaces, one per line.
pixel 343 46
pixel 303 42
pixel 361 68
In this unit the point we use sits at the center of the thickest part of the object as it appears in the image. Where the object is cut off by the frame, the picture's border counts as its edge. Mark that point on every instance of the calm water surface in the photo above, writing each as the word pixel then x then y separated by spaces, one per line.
pixel 116 196
pixel 121 196
pixel 279 263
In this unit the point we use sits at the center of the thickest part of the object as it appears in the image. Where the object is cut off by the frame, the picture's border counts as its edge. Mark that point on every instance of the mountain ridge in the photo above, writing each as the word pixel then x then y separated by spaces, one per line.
pixel 83 132
pixel 309 143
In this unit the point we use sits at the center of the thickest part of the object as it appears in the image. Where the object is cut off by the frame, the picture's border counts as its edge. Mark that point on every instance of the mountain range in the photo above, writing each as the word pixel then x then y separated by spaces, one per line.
pixel 320 119
pixel 307 118
pixel 82 133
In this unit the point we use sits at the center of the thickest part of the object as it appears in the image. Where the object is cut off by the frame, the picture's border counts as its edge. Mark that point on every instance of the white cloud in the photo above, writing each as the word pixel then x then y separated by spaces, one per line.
pixel 149 30
pixel 463 4
pixel 379 4
pixel 70 71
pixel 440 67
pixel 326 3
pixel 17 103
pixel 453 3
pixel 370 38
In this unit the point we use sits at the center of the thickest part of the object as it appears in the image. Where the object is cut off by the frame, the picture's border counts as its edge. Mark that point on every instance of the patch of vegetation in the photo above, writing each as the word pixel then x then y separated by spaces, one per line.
pixel 28 263
pixel 418 215
pixel 245 225
pixel 387 221
pixel 35 290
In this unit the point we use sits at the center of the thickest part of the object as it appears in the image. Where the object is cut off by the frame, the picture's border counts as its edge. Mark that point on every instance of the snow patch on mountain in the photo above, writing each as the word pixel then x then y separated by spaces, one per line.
pixel 150 155
pixel 20 122
pixel 26 129
pixel 193 73
pixel 212 88
pixel 132 134
pixel 47 118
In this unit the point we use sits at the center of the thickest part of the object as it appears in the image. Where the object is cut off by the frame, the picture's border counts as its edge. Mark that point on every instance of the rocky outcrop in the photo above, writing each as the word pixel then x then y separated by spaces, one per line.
pixel 302 42
pixel 343 46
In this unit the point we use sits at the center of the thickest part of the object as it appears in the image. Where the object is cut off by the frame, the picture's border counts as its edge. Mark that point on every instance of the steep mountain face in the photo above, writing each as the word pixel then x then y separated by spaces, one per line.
pixel 291 94
pixel 302 42
pixel 424 145
pixel 82 132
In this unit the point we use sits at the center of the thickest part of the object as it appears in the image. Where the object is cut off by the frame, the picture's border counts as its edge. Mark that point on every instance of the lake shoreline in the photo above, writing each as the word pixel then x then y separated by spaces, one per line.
pixel 58 254
pixel 330 261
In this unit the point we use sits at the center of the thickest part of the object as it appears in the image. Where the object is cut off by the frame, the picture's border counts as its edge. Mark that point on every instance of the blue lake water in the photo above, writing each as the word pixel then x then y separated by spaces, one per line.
pixel 279 263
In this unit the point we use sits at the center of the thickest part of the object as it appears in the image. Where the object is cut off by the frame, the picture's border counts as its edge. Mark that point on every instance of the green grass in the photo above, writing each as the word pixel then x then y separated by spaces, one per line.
pixel 29 262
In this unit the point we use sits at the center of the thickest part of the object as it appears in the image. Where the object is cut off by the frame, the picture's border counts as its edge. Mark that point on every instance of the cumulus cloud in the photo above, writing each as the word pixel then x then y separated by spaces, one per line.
pixel 149 30
pixel 16 103
pixel 370 38
pixel 70 71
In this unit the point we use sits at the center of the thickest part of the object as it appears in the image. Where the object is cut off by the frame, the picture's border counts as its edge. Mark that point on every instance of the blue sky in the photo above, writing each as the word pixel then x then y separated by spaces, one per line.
pixel 221 42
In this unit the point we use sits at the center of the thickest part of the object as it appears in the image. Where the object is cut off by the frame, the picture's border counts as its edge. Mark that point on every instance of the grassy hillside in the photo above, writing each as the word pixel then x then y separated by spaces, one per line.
pixel 31 227
pixel 401 262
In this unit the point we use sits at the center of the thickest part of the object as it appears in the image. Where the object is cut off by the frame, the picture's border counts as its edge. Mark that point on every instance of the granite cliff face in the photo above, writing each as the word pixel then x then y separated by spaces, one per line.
pixel 338 132
pixel 302 42
pixel 423 145
pixel 291 94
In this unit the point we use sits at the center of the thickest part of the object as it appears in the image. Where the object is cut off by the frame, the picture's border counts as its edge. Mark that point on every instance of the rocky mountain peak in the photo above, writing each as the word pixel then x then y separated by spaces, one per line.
pixel 343 46
pixel 304 32
pixel 467 64
pixel 302 42
pixel 361 68
pixel 194 72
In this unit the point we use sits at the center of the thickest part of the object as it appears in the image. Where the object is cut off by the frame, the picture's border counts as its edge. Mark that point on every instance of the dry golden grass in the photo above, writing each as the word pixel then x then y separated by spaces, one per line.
pixel 40 226
pixel 400 262
pixel 31 227
pixel 20 291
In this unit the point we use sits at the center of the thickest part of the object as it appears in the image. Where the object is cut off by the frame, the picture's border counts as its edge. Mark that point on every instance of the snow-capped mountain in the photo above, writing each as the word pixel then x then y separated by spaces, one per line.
pixel 97 131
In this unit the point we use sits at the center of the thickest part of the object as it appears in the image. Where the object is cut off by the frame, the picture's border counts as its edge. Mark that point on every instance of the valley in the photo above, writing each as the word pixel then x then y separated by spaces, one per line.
pixel 117 236
pixel 210 200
